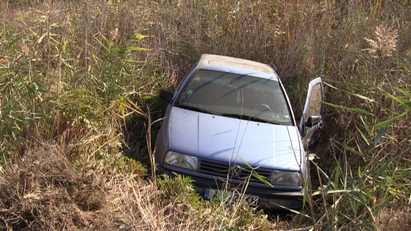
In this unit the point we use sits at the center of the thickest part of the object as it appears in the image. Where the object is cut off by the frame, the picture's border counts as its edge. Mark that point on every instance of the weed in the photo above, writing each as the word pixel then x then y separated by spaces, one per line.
pixel 180 189
pixel 80 77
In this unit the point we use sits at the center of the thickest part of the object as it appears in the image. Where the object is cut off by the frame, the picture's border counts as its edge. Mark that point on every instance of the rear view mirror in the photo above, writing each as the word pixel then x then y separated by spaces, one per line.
pixel 166 95
pixel 312 121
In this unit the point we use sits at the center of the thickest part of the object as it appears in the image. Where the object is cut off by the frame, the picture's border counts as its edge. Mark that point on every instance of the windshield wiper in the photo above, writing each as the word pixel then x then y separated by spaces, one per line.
pixel 247 117
pixel 233 115
pixel 192 108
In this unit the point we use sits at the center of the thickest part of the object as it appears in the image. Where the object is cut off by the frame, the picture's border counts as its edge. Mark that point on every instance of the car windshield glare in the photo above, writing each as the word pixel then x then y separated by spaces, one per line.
pixel 235 95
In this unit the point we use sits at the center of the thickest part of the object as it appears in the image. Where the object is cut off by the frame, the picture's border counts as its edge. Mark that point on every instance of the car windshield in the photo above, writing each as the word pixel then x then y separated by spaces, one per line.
pixel 238 96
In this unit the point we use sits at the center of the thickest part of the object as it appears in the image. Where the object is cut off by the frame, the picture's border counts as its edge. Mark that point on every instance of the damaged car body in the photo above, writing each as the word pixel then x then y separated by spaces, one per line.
pixel 230 125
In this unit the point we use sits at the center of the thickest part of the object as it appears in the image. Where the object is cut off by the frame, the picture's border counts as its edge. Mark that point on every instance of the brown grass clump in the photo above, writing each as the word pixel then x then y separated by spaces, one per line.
pixel 44 191
pixel 394 219
pixel 385 41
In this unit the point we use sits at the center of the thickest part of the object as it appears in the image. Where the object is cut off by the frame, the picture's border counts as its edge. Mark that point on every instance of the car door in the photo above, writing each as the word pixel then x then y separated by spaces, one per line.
pixel 312 119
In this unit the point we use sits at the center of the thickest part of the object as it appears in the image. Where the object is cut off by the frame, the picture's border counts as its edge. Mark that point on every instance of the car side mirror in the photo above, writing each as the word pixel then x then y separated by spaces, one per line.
pixel 312 121
pixel 166 95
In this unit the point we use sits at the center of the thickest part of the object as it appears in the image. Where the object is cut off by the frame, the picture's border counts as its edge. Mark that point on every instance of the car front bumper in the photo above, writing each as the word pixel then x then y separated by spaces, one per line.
pixel 269 197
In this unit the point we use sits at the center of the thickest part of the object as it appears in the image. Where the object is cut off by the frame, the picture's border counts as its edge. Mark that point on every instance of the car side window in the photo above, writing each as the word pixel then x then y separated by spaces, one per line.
pixel 315 102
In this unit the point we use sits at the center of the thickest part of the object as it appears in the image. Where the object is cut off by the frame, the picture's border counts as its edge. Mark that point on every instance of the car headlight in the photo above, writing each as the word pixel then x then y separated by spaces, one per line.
pixel 181 160
pixel 286 178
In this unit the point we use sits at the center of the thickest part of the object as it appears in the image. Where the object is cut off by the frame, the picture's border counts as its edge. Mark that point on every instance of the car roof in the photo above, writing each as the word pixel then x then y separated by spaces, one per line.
pixel 237 65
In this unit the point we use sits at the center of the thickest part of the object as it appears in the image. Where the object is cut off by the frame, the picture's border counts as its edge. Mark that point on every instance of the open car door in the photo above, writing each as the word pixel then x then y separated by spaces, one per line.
pixel 312 119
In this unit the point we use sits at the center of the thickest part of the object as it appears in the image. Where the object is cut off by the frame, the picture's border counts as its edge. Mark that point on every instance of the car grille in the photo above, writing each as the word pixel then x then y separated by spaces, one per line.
pixel 221 169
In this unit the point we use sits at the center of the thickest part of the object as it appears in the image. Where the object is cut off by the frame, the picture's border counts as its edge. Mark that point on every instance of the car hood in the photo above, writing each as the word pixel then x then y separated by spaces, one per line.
pixel 227 139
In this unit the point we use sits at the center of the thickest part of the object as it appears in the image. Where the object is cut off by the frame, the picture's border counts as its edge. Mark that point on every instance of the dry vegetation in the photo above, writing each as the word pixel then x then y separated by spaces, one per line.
pixel 79 109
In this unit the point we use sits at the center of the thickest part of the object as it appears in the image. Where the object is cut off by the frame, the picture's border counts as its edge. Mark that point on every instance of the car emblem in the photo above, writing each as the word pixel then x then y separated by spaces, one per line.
pixel 235 171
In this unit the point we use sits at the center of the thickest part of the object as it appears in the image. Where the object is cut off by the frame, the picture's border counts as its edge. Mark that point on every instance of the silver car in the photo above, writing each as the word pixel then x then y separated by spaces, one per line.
pixel 230 125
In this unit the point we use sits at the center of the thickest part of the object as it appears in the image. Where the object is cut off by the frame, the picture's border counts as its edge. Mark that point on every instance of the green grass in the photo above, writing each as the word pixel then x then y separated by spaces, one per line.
pixel 79 82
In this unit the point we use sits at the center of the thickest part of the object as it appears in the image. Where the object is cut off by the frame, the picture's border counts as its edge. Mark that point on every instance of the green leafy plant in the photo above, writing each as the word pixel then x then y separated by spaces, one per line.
pixel 179 189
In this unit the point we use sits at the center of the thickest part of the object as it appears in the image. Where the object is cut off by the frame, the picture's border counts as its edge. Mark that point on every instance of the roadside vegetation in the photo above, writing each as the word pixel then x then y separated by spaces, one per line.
pixel 79 109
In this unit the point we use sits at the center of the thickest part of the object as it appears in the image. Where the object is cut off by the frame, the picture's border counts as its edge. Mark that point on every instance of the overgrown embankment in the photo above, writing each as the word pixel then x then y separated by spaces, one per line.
pixel 79 108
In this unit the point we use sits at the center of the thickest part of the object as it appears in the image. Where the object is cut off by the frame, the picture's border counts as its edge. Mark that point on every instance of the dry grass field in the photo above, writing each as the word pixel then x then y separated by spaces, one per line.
pixel 79 109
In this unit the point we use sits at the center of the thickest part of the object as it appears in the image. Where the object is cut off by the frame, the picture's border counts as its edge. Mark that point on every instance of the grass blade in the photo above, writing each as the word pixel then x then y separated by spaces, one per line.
pixel 359 110
pixel 389 121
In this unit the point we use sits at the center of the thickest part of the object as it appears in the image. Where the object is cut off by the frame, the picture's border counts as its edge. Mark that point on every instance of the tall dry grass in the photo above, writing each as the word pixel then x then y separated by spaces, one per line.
pixel 80 75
